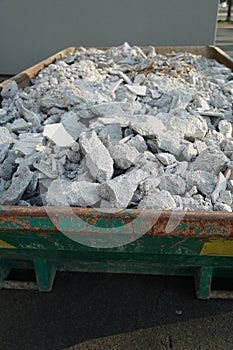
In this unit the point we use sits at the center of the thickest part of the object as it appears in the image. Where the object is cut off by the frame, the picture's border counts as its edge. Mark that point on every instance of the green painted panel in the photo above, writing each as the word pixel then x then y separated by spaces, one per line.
pixel 146 244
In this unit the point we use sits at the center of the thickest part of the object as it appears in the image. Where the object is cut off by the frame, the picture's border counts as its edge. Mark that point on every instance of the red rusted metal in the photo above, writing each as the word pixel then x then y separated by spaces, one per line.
pixel 203 224
pixel 19 285
pixel 221 294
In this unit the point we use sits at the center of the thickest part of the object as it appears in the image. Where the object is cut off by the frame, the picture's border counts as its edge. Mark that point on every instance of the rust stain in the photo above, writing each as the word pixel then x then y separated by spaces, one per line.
pixel 166 68
pixel 199 224
pixel 180 242
pixel 43 234
pixel 221 294
pixel 20 285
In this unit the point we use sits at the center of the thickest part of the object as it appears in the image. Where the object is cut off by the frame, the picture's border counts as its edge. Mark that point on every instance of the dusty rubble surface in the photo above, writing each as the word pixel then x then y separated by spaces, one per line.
pixel 120 128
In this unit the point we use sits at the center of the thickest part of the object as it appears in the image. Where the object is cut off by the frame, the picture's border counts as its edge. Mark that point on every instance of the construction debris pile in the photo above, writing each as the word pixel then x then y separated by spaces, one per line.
pixel 121 128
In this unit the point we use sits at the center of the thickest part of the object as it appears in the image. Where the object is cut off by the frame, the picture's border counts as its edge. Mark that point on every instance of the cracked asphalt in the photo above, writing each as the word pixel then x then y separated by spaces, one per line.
pixel 106 311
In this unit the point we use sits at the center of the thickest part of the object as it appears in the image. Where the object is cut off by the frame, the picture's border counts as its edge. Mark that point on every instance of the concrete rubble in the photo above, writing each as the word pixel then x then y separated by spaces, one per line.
pixel 75 193
pixel 146 125
pixel 5 135
pixel 119 191
pixel 111 133
pixel 204 181
pixel 213 162
pixel 166 158
pixel 98 159
pixel 26 143
pixel 58 135
pixel 123 155
pixel 220 186
pixel 173 183
pixel 73 126
pixel 120 128
pixel 20 181
pixel 158 200
pixel 139 143
pixel 29 116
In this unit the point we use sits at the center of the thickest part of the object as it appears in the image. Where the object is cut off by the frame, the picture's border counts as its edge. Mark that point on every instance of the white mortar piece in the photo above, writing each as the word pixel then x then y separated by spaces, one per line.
pixel 58 134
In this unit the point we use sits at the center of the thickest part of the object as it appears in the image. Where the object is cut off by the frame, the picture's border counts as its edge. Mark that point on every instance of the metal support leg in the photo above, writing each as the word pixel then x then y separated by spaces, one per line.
pixel 4 270
pixel 203 281
pixel 45 274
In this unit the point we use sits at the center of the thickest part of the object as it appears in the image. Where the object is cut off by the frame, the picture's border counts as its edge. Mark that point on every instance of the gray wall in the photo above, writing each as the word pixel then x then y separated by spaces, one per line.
pixel 33 30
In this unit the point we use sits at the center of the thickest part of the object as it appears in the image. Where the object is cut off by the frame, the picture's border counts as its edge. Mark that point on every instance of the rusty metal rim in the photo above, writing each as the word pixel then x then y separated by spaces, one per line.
pixel 133 213
pixel 190 224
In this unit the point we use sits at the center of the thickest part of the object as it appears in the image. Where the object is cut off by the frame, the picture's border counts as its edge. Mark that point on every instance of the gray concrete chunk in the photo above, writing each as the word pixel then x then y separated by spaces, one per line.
pixel 173 183
pixel 123 155
pixel 171 141
pixel 84 172
pixel 8 167
pixel 138 142
pixel 5 135
pixel 189 152
pixel 110 110
pixel 122 120
pixel 227 147
pixel 220 186
pixel 27 142
pixel 147 125
pixel 10 90
pixel 45 168
pixel 159 200
pixel 213 162
pixel 182 168
pixel 149 185
pixel 119 191
pixel 30 116
pixel 200 146
pixel 4 147
pixel 114 132
pixel 225 128
pixel 137 89
pixel 153 146
pixel 76 193
pixel 189 125
pixel 230 185
pixel 192 204
pixel 20 124
pixel 73 126
pixel 166 158
pixel 21 179
pixel 203 180
pixel 98 159
pixel 222 207
pixel 225 197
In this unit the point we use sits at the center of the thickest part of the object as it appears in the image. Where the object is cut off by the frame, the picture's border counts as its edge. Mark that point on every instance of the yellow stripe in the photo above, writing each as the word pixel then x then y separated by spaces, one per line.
pixel 219 247
pixel 4 244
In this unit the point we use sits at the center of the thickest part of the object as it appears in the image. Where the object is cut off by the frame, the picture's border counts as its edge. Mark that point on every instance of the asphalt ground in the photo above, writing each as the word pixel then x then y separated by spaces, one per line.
pixel 224 38
pixel 88 311
pixel 224 32
pixel 105 311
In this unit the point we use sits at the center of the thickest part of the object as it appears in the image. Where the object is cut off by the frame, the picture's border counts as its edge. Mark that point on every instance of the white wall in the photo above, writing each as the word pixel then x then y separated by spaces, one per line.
pixel 32 30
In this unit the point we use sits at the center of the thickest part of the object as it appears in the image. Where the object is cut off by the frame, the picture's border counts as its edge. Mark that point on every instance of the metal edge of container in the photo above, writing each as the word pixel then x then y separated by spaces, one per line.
pixel 184 223
pixel 207 223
